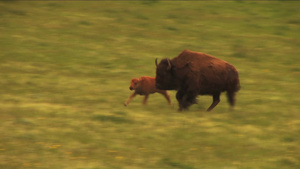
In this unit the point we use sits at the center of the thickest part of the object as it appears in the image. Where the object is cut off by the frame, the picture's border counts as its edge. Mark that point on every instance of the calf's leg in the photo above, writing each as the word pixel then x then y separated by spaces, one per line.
pixel 129 99
pixel 145 99
pixel 167 96
pixel 216 100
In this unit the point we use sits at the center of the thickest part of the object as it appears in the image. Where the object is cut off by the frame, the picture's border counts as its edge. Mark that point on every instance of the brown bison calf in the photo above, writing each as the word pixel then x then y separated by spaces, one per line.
pixel 144 86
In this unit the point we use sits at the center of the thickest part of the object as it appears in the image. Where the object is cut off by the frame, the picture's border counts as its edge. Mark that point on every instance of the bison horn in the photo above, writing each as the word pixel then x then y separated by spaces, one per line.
pixel 169 64
pixel 156 62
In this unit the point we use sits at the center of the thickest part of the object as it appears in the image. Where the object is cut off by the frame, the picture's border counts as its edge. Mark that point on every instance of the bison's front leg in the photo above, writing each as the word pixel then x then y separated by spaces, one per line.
pixel 185 99
pixel 179 96
pixel 129 99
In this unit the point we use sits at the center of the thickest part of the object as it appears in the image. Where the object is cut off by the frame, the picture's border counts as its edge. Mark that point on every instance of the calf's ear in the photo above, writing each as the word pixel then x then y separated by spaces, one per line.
pixel 156 62
pixel 141 79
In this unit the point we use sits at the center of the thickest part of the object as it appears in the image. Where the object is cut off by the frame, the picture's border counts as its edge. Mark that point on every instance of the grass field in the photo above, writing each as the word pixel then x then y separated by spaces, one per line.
pixel 65 69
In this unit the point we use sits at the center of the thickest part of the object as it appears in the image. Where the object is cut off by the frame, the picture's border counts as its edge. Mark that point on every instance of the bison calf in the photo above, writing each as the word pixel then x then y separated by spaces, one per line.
pixel 144 86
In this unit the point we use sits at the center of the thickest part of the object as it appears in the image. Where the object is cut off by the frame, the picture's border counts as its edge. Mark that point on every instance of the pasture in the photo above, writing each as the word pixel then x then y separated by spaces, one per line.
pixel 65 69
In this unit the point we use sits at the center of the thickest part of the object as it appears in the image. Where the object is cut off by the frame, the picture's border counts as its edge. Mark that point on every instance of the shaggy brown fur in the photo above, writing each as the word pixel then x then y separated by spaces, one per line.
pixel 194 73
pixel 144 86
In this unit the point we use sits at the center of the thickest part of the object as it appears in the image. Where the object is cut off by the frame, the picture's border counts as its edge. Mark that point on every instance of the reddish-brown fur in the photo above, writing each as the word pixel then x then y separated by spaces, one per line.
pixel 145 85
pixel 195 73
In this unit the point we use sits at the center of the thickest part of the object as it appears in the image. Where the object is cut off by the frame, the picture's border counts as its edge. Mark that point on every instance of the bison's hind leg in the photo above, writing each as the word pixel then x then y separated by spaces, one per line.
pixel 231 98
pixel 216 100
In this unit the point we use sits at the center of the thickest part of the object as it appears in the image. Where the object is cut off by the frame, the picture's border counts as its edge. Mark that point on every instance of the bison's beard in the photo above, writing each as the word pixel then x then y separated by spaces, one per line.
pixel 166 86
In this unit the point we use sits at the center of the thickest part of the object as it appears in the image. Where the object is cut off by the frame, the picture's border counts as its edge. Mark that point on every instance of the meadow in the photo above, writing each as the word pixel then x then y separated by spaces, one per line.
pixel 65 69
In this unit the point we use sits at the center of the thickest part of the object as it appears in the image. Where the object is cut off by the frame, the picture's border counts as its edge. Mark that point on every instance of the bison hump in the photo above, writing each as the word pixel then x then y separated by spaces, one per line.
pixel 195 60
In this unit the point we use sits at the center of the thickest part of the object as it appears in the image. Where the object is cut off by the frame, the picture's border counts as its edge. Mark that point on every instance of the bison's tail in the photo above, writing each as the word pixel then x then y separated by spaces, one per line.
pixel 233 79
pixel 238 87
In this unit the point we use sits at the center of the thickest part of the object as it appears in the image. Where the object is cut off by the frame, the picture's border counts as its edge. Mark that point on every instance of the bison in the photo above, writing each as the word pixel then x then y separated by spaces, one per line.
pixel 194 73
pixel 144 86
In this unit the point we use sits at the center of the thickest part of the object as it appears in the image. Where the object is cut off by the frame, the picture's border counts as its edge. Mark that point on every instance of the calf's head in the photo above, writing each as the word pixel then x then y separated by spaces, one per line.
pixel 135 82
pixel 165 79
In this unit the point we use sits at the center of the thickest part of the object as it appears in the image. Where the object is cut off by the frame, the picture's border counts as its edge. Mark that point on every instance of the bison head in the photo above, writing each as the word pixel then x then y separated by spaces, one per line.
pixel 134 84
pixel 165 79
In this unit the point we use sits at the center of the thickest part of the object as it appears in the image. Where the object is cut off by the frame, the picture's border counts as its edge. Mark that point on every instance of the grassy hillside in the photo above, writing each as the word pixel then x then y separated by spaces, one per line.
pixel 65 69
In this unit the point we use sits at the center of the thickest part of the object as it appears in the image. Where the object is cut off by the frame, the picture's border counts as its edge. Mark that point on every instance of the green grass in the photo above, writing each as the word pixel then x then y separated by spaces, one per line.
pixel 65 69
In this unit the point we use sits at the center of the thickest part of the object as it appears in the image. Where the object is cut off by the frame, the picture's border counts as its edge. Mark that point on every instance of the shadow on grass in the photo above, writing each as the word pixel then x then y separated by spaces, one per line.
pixel 175 164
pixel 114 119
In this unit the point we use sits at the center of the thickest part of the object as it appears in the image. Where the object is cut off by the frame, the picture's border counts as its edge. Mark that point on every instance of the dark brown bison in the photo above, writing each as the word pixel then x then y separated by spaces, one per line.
pixel 193 73
pixel 144 86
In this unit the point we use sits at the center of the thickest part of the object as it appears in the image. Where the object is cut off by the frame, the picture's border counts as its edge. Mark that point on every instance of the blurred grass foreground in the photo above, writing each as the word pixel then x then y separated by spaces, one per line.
pixel 65 70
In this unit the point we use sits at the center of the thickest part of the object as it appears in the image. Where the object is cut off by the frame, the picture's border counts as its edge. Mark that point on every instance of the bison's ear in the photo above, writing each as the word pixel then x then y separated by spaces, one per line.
pixel 156 62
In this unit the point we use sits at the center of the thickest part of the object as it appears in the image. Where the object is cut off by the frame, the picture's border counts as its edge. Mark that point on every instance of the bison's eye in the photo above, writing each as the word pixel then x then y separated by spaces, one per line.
pixel 164 73
pixel 135 83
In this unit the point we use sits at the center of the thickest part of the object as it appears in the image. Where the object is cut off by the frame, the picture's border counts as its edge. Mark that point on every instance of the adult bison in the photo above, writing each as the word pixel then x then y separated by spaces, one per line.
pixel 193 73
